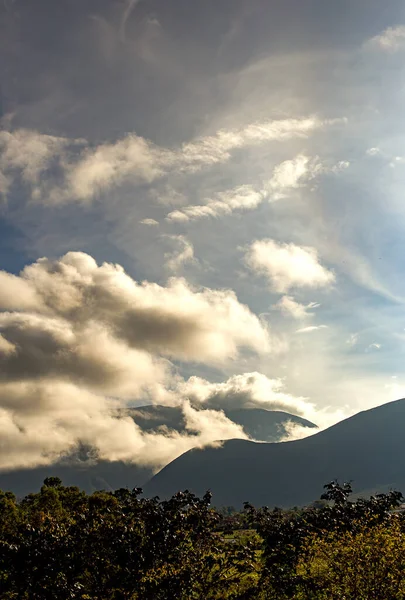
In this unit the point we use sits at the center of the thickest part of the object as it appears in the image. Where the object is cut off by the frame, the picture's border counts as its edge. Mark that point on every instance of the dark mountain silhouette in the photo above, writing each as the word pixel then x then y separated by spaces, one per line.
pixel 368 448
pixel 84 470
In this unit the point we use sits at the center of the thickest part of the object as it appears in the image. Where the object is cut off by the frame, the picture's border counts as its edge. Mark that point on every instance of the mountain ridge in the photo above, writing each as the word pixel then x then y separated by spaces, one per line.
pixel 84 470
pixel 366 448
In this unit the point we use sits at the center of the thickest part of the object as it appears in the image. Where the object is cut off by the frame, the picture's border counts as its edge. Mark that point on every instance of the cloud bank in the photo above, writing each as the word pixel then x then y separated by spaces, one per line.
pixel 175 321
pixel 79 341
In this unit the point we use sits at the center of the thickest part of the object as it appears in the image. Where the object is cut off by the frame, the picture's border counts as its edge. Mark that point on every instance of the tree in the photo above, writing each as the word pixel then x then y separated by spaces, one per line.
pixel 285 534
pixel 365 565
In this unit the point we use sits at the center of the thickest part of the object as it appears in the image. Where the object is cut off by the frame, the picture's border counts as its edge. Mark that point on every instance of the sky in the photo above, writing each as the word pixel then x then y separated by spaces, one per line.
pixel 201 204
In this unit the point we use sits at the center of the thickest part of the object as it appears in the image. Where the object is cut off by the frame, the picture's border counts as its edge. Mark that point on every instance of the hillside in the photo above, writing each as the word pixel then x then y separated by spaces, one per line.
pixel 89 474
pixel 367 448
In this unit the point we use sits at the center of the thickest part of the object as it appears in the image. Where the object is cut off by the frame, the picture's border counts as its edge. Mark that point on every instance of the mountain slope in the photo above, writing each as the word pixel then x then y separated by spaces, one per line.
pixel 91 474
pixel 368 448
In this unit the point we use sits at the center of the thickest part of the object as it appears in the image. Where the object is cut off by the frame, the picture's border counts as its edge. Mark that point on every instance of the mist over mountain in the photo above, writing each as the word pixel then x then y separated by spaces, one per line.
pixel 85 470
pixel 367 449
pixel 259 424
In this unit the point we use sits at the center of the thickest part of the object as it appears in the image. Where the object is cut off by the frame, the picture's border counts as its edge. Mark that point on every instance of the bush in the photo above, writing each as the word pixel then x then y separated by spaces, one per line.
pixel 63 544
pixel 368 564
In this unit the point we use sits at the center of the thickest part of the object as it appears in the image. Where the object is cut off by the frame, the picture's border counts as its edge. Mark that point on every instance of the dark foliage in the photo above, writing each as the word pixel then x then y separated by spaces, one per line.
pixel 64 544
pixel 285 533
pixel 61 543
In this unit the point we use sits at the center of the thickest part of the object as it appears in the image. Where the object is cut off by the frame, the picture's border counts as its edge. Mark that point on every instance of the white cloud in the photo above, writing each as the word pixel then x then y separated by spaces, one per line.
pixel 249 390
pixel 184 254
pixel 287 265
pixel 342 165
pixel 217 148
pixel 17 294
pixel 256 390
pixel 54 348
pixel 289 175
pixel 292 308
pixel 310 329
pixel 213 424
pixel 391 39
pixel 30 153
pixel 84 172
pixel 176 320
pixel 178 216
pixel 244 197
pixel 373 151
pixel 374 346
pixel 78 341
pixel 150 222
pixel 40 422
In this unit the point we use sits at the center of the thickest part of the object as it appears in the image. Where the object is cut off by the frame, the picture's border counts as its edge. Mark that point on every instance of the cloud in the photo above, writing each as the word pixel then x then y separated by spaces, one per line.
pixel 256 390
pixel 41 422
pixel 82 341
pixel 43 347
pixel 292 308
pixel 373 346
pixel 6 347
pixel 353 339
pixel 249 390
pixel 244 197
pixel 310 329
pixel 79 341
pixel 84 171
pixel 295 431
pixel 149 222
pixel 167 195
pixel 130 5
pixel 98 169
pixel 30 153
pixel 17 294
pixel 289 174
pixel 287 266
pixel 373 151
pixel 175 321
pixel 5 183
pixel 212 424
pixel 391 39
pixel 183 255
pixel 217 148
pixel 286 175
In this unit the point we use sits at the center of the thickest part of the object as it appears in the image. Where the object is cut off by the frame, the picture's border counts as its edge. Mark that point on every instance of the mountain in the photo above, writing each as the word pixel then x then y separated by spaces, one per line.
pixel 259 424
pixel 368 449
pixel 85 471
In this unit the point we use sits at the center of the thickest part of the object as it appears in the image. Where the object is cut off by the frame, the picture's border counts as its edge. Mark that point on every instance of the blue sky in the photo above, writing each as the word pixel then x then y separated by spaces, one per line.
pixel 251 152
